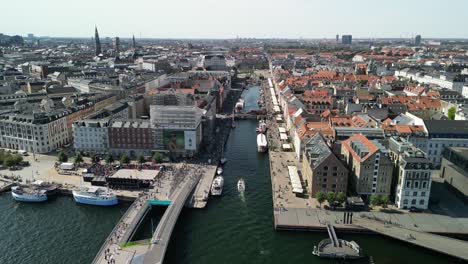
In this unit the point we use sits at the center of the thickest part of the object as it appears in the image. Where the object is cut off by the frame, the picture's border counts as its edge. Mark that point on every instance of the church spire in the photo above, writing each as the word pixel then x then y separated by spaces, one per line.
pixel 134 42
pixel 98 42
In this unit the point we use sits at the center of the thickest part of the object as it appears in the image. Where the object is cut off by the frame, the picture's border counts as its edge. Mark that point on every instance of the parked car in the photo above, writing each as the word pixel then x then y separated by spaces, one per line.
pixel 415 210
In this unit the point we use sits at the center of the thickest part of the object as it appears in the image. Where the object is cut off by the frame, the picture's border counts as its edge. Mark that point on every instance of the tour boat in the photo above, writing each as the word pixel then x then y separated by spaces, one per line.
pixel 262 144
pixel 95 196
pixel 219 171
pixel 25 194
pixel 217 186
pixel 241 185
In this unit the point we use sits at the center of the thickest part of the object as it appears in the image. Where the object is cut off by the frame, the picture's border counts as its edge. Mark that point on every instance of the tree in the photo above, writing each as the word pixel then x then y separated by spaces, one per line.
pixel 62 156
pixel 321 197
pixel 141 159
pixel 451 113
pixel 376 200
pixel 331 196
pixel 384 201
pixel 340 197
pixel 109 159
pixel 124 159
pixel 78 158
pixel 9 161
pixel 158 157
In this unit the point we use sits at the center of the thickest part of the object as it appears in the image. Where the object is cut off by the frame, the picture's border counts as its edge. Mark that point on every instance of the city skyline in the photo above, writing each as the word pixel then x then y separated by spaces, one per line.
pixel 218 20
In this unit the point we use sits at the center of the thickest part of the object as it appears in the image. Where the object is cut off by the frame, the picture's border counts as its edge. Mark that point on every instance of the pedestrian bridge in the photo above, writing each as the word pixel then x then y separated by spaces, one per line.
pixel 161 237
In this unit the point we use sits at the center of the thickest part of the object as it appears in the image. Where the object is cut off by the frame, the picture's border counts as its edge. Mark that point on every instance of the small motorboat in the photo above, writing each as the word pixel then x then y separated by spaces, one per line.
pixel 219 171
pixel 241 185
pixel 223 161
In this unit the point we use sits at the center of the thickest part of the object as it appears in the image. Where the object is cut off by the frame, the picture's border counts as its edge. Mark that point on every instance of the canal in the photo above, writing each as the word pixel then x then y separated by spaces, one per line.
pixel 233 228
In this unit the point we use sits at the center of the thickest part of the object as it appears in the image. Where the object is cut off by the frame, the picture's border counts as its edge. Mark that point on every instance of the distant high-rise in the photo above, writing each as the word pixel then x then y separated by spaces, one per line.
pixel 98 42
pixel 30 35
pixel 417 40
pixel 337 38
pixel 134 42
pixel 347 39
pixel 117 44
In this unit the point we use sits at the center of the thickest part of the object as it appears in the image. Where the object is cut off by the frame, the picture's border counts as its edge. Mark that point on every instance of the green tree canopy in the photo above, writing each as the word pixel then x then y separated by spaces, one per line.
pixel 321 197
pixel 141 159
pixel 109 159
pixel 331 197
pixel 124 159
pixel 158 157
pixel 78 158
pixel 451 113
pixel 340 197
pixel 62 156
pixel 376 199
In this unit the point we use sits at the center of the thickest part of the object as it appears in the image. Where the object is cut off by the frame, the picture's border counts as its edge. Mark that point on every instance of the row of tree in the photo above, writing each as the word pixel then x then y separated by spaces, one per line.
pixel 124 159
pixel 379 200
pixel 331 197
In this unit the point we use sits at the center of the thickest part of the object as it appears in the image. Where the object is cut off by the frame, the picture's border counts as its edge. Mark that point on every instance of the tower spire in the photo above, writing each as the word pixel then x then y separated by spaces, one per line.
pixel 98 42
pixel 134 42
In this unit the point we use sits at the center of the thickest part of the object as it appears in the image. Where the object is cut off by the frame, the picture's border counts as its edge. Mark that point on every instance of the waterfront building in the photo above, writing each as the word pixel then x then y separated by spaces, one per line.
pixel 177 129
pixel 132 137
pixel 323 171
pixel 454 168
pixel 91 136
pixel 370 165
pixel 413 174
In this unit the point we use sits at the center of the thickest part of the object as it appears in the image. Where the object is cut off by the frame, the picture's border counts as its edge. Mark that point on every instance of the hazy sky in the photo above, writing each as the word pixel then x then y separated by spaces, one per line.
pixel 243 18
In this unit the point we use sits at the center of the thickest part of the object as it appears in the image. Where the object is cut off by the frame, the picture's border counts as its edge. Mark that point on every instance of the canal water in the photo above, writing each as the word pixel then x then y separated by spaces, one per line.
pixel 233 228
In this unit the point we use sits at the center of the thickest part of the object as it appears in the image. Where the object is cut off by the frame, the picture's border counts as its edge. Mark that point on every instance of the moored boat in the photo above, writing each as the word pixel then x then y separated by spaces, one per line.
pixel 241 185
pixel 262 144
pixel 223 161
pixel 262 127
pixel 217 186
pixel 219 171
pixel 95 196
pixel 27 194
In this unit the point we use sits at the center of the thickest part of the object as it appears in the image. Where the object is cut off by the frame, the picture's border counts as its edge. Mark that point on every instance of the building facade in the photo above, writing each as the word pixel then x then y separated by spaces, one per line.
pixel 370 165
pixel 323 171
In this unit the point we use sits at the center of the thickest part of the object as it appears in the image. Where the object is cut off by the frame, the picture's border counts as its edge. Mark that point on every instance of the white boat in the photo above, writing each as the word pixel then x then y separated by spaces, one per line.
pixel 217 186
pixel 95 196
pixel 262 127
pixel 223 161
pixel 262 144
pixel 23 194
pixel 239 105
pixel 241 185
pixel 219 171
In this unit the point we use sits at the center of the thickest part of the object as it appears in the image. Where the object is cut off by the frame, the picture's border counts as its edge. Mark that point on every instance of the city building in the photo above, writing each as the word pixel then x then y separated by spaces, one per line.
pixel 214 62
pixel 413 174
pixel 322 170
pixel 440 134
pixel 454 168
pixel 177 129
pixel 132 137
pixel 347 39
pixel 116 43
pixel 417 40
pixel 370 165
pixel 98 50
pixel 91 136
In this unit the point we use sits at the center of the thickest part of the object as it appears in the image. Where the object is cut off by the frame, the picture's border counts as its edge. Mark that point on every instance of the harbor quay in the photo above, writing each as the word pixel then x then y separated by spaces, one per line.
pixel 303 213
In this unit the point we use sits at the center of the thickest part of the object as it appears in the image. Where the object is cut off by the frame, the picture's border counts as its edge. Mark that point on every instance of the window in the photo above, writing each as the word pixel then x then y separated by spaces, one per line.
pixel 423 193
pixel 405 201
pixel 416 184
pixel 421 202
pixel 408 184
pixel 415 193
pixel 325 168
pixel 424 184
pixel 335 168
pixel 413 202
